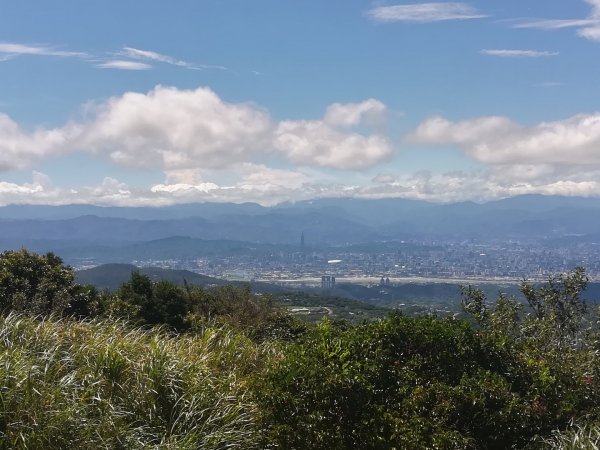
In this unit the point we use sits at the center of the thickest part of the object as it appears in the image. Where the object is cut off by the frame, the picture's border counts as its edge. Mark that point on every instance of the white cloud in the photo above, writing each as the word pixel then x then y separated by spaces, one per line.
pixel 149 55
pixel 184 176
pixel 15 49
pixel 128 58
pixel 172 129
pixel 110 190
pixel 184 188
pixel 12 189
pixel 212 150
pixel 259 176
pixel 41 191
pixel 19 149
pixel 478 185
pixel 178 130
pixel 556 24
pixel 588 28
pixel 175 129
pixel 352 114
pixel 269 186
pixel 123 65
pixel 330 143
pixel 462 186
pixel 590 33
pixel 255 182
pixel 425 12
pixel 316 143
pixel 506 53
pixel 152 56
pixel 498 140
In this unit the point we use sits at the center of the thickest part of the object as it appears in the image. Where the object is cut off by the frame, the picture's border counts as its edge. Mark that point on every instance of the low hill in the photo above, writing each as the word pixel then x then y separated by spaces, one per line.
pixel 111 276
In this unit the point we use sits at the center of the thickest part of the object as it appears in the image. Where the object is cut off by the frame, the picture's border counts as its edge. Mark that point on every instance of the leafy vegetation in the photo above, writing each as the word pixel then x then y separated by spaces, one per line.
pixel 157 365
pixel 36 284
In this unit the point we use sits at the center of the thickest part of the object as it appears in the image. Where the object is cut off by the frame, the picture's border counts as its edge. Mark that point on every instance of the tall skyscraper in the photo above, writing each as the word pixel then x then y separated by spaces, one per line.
pixel 327 282
pixel 302 241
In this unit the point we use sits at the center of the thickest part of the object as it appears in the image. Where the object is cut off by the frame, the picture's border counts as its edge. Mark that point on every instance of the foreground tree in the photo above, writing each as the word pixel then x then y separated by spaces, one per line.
pixel 551 343
pixel 144 301
pixel 35 284
pixel 554 316
pixel 152 303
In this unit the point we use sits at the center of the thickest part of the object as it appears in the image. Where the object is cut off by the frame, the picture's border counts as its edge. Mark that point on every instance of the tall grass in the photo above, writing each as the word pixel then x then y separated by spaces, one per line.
pixel 586 437
pixel 94 385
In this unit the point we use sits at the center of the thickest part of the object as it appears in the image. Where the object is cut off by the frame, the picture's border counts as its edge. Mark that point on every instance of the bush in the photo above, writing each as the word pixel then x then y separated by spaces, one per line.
pixel 397 383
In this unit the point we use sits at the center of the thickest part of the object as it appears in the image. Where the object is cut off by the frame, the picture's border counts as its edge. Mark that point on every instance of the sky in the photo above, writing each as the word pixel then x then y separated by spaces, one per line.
pixel 147 102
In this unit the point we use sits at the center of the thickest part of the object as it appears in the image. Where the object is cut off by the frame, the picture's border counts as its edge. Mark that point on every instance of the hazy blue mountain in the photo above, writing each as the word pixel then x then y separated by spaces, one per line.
pixel 369 212
pixel 267 228
pixel 183 247
pixel 204 210
pixel 324 222
pixel 539 203
pixel 175 248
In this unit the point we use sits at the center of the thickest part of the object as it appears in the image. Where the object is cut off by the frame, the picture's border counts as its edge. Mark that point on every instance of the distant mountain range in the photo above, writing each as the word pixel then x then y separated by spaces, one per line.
pixel 324 222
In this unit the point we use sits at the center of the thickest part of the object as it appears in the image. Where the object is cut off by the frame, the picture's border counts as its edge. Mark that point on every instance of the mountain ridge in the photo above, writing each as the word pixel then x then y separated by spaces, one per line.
pixel 323 221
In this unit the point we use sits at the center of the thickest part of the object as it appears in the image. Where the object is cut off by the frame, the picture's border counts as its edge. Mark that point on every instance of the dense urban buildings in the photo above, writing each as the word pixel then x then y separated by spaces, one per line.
pixel 385 263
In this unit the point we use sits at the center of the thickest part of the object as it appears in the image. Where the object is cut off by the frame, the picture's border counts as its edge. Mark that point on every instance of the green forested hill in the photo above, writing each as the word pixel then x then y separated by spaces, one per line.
pixel 111 276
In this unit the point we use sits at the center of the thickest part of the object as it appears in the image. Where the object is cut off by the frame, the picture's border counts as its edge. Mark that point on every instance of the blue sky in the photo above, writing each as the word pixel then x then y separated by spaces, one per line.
pixel 149 102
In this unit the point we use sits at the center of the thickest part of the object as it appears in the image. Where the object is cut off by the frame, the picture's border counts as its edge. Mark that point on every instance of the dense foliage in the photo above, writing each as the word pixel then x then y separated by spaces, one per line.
pixel 422 383
pixel 155 365
pixel 36 284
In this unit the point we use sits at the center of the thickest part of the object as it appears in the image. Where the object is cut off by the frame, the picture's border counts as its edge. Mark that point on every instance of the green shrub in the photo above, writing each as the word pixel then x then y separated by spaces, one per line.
pixel 34 284
pixel 396 383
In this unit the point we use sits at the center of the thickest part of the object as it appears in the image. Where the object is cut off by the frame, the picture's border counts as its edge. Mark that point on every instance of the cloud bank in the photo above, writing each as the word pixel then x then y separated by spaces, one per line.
pixel 213 150
pixel 269 186
pixel 169 129
pixel 498 140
